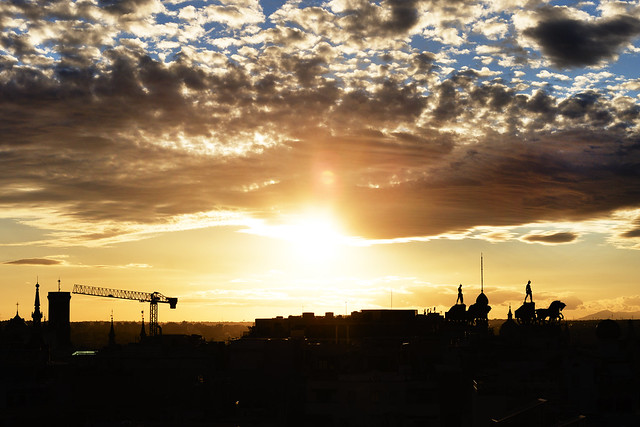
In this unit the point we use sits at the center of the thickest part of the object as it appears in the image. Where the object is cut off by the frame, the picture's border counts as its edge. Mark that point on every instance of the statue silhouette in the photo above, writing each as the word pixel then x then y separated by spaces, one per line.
pixel 460 297
pixel 528 292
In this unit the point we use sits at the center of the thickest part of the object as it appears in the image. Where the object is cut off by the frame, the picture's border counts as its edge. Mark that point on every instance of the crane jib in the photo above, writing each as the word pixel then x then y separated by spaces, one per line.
pixel 154 298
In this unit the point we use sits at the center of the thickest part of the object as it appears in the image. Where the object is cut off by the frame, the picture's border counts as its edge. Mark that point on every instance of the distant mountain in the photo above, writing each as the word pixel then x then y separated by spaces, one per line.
pixel 616 315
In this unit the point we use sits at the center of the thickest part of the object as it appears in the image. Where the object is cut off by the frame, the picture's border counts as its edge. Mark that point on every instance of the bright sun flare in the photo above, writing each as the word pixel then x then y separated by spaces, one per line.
pixel 315 238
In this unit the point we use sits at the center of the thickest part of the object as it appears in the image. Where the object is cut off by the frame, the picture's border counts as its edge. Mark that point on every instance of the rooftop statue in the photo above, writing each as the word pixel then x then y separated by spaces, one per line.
pixel 460 297
pixel 528 292
pixel 476 314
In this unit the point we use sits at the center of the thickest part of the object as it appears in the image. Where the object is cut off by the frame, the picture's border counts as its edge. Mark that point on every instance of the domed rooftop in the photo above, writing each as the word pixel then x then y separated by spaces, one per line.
pixel 16 322
pixel 509 328
pixel 482 299
pixel 17 330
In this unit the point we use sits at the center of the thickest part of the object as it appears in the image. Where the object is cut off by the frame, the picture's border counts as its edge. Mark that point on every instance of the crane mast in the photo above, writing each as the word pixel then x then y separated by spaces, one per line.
pixel 151 297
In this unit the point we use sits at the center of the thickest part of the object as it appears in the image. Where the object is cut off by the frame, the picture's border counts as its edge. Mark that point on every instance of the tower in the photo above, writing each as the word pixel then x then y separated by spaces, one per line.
pixel 112 333
pixel 59 325
pixel 35 339
pixel 36 316
pixel 143 333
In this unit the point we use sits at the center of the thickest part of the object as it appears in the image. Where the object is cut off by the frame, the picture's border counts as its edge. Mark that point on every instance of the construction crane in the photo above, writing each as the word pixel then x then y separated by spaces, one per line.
pixel 154 298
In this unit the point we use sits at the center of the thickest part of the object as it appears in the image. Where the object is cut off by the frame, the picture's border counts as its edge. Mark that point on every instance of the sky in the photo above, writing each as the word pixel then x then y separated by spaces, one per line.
pixel 264 158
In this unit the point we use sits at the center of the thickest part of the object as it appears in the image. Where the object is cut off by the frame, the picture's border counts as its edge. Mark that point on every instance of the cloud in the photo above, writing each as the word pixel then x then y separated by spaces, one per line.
pixel 569 42
pixel 130 8
pixel 364 17
pixel 34 261
pixel 632 234
pixel 185 157
pixel 634 231
pixel 126 135
pixel 554 238
pixel 572 302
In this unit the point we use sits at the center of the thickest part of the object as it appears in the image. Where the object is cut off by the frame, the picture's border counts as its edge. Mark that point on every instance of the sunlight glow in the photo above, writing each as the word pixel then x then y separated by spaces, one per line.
pixel 315 237
pixel 328 178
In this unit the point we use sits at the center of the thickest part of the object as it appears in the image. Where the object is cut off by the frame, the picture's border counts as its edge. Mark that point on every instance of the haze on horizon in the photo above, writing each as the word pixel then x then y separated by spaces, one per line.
pixel 262 158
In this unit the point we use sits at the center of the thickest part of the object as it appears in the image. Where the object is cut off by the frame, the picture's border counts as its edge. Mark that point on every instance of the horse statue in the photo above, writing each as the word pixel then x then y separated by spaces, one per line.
pixel 554 312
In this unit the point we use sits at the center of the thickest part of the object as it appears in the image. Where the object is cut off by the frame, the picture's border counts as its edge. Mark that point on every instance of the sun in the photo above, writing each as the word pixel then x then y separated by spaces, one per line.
pixel 315 237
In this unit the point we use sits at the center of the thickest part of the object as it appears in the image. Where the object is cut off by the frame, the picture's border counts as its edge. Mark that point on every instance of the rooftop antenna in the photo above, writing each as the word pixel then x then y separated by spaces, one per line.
pixel 391 304
pixel 481 273
pixel 58 284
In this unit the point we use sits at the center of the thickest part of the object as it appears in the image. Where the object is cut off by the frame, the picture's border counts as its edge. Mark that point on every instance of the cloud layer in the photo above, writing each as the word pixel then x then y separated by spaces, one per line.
pixel 34 261
pixel 122 115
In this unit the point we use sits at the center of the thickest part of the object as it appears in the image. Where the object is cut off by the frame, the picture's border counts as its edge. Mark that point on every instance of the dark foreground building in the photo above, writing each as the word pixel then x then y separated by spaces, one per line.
pixel 369 368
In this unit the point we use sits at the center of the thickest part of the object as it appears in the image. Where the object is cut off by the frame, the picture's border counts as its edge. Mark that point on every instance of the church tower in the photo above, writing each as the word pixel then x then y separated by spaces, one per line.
pixel 112 333
pixel 36 316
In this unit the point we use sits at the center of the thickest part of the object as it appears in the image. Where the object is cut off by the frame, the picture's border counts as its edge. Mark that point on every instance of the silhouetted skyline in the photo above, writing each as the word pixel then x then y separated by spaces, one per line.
pixel 373 368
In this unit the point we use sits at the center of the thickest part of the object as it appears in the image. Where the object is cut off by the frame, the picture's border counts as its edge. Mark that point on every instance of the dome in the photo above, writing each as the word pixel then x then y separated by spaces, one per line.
pixel 482 299
pixel 17 330
pixel 17 323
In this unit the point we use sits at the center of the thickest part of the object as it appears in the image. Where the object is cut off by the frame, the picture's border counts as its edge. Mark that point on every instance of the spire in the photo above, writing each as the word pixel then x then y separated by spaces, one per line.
pixel 481 273
pixel 509 315
pixel 37 314
pixel 37 301
pixel 143 334
pixel 112 333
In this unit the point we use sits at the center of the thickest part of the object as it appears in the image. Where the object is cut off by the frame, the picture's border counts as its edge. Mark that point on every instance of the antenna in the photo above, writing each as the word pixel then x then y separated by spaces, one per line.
pixel 481 273
pixel 58 284
pixel 391 304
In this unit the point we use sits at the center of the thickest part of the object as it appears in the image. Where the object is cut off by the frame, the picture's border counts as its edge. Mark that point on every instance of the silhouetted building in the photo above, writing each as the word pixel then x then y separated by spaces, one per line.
pixel 509 329
pixel 16 331
pixel 370 368
pixel 59 326
pixel 364 324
